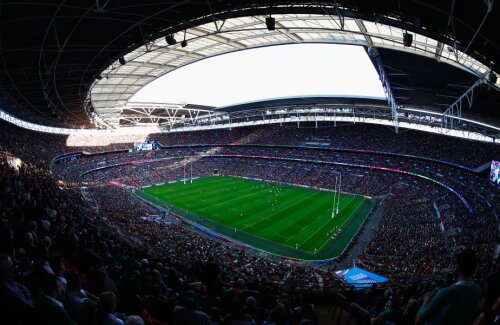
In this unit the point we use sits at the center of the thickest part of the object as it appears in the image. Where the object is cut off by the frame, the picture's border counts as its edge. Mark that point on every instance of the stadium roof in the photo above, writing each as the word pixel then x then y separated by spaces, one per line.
pixel 60 60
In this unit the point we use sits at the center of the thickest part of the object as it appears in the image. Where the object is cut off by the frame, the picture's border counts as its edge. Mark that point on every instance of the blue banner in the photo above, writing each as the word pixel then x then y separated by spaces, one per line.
pixel 360 278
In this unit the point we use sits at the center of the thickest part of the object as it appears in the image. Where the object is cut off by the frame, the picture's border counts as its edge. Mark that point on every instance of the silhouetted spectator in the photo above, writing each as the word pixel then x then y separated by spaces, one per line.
pixel 457 304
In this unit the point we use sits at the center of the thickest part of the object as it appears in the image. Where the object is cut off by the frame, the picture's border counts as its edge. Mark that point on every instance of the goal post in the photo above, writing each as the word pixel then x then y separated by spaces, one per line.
pixel 184 176
pixel 336 194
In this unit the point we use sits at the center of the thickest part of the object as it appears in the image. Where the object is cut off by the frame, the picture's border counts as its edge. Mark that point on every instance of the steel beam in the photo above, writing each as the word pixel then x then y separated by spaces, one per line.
pixel 454 111
pixel 384 79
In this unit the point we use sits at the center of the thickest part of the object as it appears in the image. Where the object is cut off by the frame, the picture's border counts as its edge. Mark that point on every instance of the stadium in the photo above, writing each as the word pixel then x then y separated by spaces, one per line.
pixel 249 162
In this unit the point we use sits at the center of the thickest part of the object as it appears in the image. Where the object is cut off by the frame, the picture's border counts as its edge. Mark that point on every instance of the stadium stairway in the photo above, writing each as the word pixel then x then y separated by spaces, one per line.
pixel 334 308
pixel 337 315
pixel 364 236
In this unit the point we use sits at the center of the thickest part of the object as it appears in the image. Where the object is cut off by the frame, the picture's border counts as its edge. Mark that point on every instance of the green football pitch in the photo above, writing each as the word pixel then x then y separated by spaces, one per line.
pixel 278 219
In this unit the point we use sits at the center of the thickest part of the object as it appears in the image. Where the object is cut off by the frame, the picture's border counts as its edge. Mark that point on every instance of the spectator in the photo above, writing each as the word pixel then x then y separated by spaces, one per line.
pixel 457 304
pixel 49 309
pixel 391 315
pixel 134 320
pixel 188 314
pixel 16 305
pixel 80 307
pixel 250 308
pixel 105 310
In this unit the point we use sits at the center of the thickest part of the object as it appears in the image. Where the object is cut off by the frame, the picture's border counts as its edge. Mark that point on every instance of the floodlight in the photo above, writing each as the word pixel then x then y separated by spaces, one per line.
pixel 407 39
pixel 122 60
pixel 170 40
pixel 270 23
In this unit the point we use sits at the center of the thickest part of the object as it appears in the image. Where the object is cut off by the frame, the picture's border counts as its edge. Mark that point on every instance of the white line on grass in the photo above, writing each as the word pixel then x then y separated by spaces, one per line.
pixel 168 189
pixel 273 214
pixel 353 213
pixel 319 216
pixel 224 202
pixel 314 233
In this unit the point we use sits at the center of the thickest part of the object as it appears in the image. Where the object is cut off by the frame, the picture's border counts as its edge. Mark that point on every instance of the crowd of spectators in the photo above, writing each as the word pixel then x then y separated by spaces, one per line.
pixel 350 136
pixel 451 220
pixel 63 262
pixel 419 226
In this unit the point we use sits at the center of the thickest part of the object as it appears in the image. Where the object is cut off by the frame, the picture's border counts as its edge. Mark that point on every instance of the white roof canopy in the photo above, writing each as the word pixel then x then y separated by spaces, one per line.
pixel 119 83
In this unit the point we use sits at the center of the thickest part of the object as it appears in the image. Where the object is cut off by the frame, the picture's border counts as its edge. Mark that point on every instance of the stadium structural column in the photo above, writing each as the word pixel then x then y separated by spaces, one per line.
pixel 384 79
